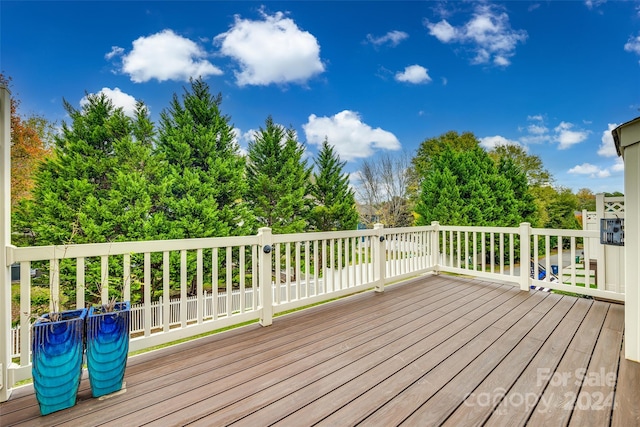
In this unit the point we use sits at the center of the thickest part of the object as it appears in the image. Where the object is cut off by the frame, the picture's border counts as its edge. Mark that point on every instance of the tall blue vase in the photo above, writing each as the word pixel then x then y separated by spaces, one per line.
pixel 107 348
pixel 57 349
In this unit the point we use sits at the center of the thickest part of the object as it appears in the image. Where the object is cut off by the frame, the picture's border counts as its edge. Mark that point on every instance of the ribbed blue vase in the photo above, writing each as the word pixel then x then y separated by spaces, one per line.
pixel 57 349
pixel 107 348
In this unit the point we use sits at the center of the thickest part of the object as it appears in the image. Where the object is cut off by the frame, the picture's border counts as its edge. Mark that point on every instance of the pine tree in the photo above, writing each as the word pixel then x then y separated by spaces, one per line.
pixel 334 206
pixel 278 179
pixel 468 188
pixel 204 173
pixel 96 188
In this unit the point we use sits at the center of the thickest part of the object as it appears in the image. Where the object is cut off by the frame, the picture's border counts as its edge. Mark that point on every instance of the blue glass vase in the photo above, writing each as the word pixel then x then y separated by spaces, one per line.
pixel 57 349
pixel 107 348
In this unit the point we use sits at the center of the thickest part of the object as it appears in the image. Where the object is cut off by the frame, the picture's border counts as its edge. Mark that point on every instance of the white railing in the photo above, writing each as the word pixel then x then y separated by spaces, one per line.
pixel 220 282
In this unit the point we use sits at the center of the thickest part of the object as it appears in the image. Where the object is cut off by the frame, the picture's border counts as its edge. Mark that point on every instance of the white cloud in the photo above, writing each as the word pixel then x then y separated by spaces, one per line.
pixel 618 166
pixel 351 137
pixel 392 37
pixel 488 33
pixel 567 137
pixel 536 132
pixel 243 139
pixel 608 147
pixel 537 129
pixel 273 50
pixel 592 171
pixel 166 56
pixel 490 142
pixel 443 31
pixel 565 133
pixel 501 61
pixel 591 4
pixel 633 45
pixel 115 51
pixel 413 74
pixel 119 100
pixel 444 81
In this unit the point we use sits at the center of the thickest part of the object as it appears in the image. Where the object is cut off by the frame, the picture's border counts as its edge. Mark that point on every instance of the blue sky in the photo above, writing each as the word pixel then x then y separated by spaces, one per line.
pixel 372 76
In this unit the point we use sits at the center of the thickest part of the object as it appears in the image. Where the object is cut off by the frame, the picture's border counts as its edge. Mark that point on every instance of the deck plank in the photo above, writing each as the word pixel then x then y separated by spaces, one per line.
pixel 626 410
pixel 338 389
pixel 423 353
pixel 235 372
pixel 502 359
pixel 415 365
pixel 231 355
pixel 557 402
pixel 219 414
pixel 494 343
pixel 595 400
pixel 482 401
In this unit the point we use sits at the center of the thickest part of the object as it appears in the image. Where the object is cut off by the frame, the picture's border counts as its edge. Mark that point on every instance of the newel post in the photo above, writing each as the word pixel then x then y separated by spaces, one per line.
pixel 525 256
pixel 265 244
pixel 380 258
pixel 5 242
pixel 435 246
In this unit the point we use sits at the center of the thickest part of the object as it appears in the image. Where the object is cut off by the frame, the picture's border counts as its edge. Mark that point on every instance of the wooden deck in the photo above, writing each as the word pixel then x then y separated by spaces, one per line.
pixel 438 350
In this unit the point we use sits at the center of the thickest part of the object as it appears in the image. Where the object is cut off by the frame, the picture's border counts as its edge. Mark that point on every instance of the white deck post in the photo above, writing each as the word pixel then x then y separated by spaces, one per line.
pixel 525 255
pixel 5 241
pixel 627 141
pixel 380 258
pixel 266 289
pixel 435 246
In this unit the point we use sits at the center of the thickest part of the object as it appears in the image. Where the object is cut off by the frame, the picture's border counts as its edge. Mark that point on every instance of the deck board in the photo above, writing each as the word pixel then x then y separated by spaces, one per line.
pixel 439 350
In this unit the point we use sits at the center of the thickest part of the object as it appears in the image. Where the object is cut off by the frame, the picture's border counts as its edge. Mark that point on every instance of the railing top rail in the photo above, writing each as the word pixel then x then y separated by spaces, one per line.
pixel 408 229
pixel 480 229
pixel 321 235
pixel 565 233
pixel 43 253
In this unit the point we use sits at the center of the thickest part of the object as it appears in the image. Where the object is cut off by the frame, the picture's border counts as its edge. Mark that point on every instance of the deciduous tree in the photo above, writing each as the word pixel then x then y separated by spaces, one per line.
pixel 383 190
pixel 30 145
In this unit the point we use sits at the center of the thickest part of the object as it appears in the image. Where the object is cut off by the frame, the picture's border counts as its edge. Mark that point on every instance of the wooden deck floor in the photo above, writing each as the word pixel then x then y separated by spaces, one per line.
pixel 438 350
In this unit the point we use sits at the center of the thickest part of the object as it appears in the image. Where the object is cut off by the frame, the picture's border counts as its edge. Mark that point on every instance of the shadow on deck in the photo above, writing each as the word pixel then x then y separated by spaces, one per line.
pixel 438 350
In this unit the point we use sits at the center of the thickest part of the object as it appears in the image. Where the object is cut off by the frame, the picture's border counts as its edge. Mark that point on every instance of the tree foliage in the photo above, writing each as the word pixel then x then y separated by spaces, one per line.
pixel 334 206
pixel 468 188
pixel 30 140
pixel 432 147
pixel 96 188
pixel 278 179
pixel 203 178
pixel 529 164
pixel 562 210
pixel 586 200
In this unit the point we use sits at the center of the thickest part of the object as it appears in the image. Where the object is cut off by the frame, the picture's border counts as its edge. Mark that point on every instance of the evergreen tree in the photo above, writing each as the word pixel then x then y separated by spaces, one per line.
pixel 431 148
pixel 204 173
pixel 468 188
pixel 96 188
pixel 334 205
pixel 278 179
